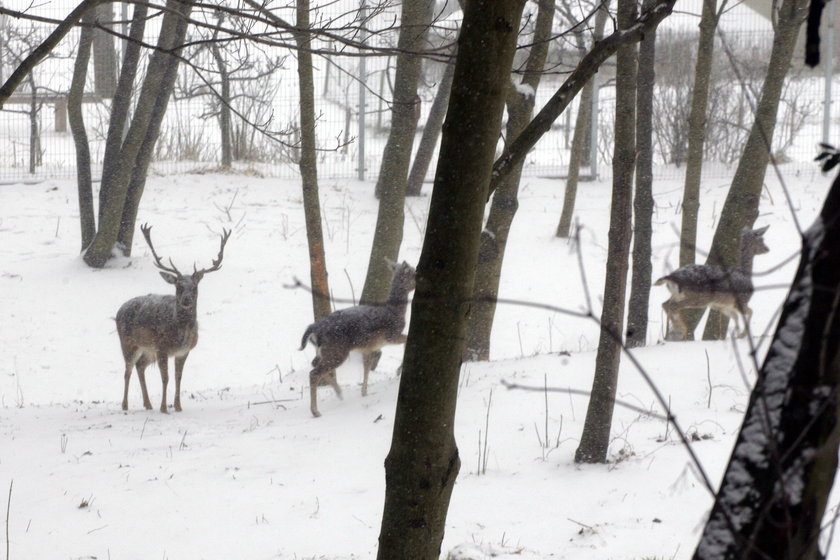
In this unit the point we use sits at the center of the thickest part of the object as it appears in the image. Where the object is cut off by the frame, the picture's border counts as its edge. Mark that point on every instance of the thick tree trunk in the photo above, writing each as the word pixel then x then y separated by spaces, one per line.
pixel 391 184
pixel 774 492
pixel 118 209
pixel 579 140
pixel 137 183
pixel 520 105
pixel 309 168
pixel 741 207
pixel 84 182
pixel 121 103
pixel 431 133
pixel 596 430
pixel 697 130
pixel 423 462
pixel 637 313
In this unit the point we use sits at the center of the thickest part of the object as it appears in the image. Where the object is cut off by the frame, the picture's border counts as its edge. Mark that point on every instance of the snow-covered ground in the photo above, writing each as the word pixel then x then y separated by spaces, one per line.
pixel 246 472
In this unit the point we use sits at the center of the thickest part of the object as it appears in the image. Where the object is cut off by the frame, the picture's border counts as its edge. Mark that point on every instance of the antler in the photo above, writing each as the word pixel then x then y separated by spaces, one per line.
pixel 147 229
pixel 217 262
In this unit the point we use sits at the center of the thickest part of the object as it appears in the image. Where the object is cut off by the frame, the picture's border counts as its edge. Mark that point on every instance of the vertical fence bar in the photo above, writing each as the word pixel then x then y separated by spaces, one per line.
pixel 362 98
pixel 828 69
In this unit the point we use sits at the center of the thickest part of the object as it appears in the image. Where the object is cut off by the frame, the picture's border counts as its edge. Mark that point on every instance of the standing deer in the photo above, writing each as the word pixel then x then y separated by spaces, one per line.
pixel 155 327
pixel 697 286
pixel 364 328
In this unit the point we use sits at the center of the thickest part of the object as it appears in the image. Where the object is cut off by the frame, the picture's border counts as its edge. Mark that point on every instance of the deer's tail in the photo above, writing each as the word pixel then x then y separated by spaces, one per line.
pixel 307 333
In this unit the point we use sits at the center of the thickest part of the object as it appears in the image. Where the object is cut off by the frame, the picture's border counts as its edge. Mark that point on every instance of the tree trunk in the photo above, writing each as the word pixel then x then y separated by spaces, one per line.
pixel 224 104
pixel 391 184
pixel 121 103
pixel 579 145
pixel 520 105
pixel 34 132
pixel 431 132
pixel 773 495
pixel 741 207
pixel 637 313
pixel 309 167
pixel 148 115
pixel 596 430
pixel 137 183
pixel 84 181
pixel 423 462
pixel 697 130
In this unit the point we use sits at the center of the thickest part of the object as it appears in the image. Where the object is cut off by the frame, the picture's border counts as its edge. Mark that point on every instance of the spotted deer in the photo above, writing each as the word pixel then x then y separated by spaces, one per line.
pixel 363 328
pixel 155 327
pixel 728 290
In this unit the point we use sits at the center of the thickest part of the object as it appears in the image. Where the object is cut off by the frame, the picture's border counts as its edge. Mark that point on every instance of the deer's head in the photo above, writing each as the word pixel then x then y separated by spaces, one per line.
pixel 186 286
pixel 752 241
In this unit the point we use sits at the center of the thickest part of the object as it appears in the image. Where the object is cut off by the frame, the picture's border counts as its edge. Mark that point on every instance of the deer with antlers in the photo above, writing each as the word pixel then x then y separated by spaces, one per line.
pixel 155 327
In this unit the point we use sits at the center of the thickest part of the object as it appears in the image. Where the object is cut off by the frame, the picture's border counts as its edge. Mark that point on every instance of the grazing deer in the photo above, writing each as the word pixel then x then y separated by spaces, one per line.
pixel 697 286
pixel 364 328
pixel 155 327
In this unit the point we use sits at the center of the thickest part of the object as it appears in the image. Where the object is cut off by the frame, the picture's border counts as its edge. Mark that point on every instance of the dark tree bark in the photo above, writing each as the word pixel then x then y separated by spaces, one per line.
pixel 309 167
pixel 637 313
pixel 596 430
pixel 579 140
pixel 697 130
pixel 137 182
pixel 84 182
pixel 741 207
pixel 391 183
pixel 125 182
pixel 520 105
pixel 121 103
pixel 431 133
pixel 423 462
pixel 774 491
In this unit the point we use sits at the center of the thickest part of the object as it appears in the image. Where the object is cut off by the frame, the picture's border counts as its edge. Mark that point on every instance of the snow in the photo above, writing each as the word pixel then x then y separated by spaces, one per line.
pixel 246 472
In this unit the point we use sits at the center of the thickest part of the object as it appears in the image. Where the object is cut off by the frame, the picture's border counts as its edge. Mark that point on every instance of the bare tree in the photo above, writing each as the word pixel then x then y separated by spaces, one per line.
pixel 308 167
pixel 126 183
pixel 391 184
pixel 520 104
pixel 582 124
pixel 709 18
pixel 595 438
pixel 741 207
pixel 637 313
pixel 423 461
pixel 87 217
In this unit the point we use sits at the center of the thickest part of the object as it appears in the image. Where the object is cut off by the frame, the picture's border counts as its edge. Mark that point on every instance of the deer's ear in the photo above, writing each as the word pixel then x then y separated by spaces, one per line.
pixel 762 231
pixel 197 276
pixel 170 278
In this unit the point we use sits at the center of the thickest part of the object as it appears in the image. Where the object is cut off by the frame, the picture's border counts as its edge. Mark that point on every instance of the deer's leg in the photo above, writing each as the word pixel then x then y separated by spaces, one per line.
pixel 179 369
pixel 129 365
pixel 128 368
pixel 746 316
pixel 164 379
pixel 141 375
pixel 369 362
pixel 673 310
pixel 323 374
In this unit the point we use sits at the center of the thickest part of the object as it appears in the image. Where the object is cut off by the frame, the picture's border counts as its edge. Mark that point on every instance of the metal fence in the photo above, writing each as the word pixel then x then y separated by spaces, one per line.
pixel 35 142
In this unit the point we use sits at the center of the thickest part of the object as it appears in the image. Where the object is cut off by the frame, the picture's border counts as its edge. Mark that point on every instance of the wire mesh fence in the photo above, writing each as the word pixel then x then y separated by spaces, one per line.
pixel 353 93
